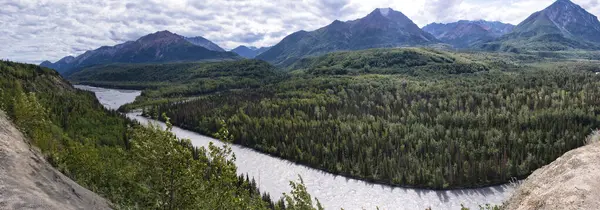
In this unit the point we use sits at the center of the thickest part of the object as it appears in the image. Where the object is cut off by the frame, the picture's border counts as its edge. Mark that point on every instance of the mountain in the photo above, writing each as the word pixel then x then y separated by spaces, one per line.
pixel 382 28
pixel 563 25
pixel 60 64
pixel 249 52
pixel 387 61
pixel 159 47
pixel 465 33
pixel 262 50
pixel 202 42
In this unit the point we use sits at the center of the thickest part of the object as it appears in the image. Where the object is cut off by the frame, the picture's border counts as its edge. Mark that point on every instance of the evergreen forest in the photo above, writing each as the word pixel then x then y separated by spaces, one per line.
pixel 133 166
pixel 408 117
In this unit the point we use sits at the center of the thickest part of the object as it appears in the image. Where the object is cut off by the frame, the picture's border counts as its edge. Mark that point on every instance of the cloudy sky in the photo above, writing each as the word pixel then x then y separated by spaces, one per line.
pixel 36 30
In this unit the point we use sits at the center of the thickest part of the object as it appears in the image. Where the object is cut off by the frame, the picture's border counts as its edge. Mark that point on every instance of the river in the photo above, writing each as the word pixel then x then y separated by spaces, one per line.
pixel 334 192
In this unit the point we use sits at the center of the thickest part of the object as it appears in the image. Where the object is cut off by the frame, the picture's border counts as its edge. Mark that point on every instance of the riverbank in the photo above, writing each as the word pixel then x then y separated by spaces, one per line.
pixel 273 175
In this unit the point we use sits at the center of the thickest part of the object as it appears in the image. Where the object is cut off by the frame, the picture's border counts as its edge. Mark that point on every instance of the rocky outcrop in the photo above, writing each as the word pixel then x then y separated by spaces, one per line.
pixel 28 181
pixel 570 182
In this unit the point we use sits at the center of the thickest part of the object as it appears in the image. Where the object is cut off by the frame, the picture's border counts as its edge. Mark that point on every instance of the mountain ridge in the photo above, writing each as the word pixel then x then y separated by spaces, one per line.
pixel 466 33
pixel 382 28
pixel 203 42
pixel 249 51
pixel 563 25
pixel 158 47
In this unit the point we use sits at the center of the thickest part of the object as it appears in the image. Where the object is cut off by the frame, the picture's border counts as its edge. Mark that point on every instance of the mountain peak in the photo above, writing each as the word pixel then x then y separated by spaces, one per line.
pixel 387 16
pixel 203 42
pixel 67 59
pixel 249 51
pixel 253 48
pixel 164 33
pixel 564 2
pixel 382 28
pixel 241 48
pixel 569 17
pixel 336 22
pixel 159 47
pixel 561 26
pixel 385 11
pixel 159 36
pixel 388 13
pixel 466 33
pixel 564 5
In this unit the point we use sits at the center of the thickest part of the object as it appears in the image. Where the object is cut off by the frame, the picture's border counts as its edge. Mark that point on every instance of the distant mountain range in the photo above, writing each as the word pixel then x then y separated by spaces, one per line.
pixel 466 33
pixel 249 52
pixel 159 47
pixel 561 26
pixel 382 28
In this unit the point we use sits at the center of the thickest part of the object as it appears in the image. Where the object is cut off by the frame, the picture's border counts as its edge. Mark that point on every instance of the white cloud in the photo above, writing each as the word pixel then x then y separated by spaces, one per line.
pixel 37 30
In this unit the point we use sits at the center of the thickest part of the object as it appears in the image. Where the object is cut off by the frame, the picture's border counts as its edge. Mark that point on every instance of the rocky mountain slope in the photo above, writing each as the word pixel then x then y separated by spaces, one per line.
pixel 563 25
pixel 570 182
pixel 382 28
pixel 465 33
pixel 159 47
pixel 202 42
pixel 28 181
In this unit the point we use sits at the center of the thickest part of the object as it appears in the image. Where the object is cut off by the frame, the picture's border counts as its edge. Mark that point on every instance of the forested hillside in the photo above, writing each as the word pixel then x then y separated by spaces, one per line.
pixel 174 81
pixel 410 61
pixel 133 166
pixel 410 122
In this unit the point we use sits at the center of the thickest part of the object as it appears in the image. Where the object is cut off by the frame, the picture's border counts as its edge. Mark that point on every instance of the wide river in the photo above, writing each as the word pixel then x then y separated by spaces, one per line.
pixel 334 192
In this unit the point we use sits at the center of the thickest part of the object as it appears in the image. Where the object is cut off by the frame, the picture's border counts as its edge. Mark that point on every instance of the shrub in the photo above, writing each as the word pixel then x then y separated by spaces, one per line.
pixel 594 137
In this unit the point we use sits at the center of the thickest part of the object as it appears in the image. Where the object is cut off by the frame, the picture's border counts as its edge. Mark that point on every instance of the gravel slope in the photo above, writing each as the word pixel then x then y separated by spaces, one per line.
pixel 28 181
pixel 570 182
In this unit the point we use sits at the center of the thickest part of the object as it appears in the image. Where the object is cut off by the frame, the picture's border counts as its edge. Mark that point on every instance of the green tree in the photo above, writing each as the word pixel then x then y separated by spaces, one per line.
pixel 299 198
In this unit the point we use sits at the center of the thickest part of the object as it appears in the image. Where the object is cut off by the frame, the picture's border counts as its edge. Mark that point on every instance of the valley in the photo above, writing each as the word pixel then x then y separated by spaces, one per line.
pixel 352 120
pixel 273 174
pixel 354 108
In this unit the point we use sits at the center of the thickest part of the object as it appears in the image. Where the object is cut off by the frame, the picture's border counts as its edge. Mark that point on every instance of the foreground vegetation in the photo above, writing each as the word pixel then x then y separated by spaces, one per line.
pixel 410 117
pixel 132 166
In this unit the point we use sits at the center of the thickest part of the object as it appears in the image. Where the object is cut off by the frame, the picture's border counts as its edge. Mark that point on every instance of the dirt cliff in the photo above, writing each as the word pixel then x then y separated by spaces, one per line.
pixel 570 182
pixel 28 181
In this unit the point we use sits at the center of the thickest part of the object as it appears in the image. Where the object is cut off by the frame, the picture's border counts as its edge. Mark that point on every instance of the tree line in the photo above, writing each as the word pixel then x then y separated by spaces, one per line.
pixel 133 166
pixel 435 131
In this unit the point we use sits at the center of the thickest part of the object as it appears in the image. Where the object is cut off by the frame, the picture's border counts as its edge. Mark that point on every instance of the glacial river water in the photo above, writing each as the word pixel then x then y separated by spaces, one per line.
pixel 334 192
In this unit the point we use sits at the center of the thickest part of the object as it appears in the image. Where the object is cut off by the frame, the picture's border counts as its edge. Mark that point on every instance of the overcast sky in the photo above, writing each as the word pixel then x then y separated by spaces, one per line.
pixel 35 30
